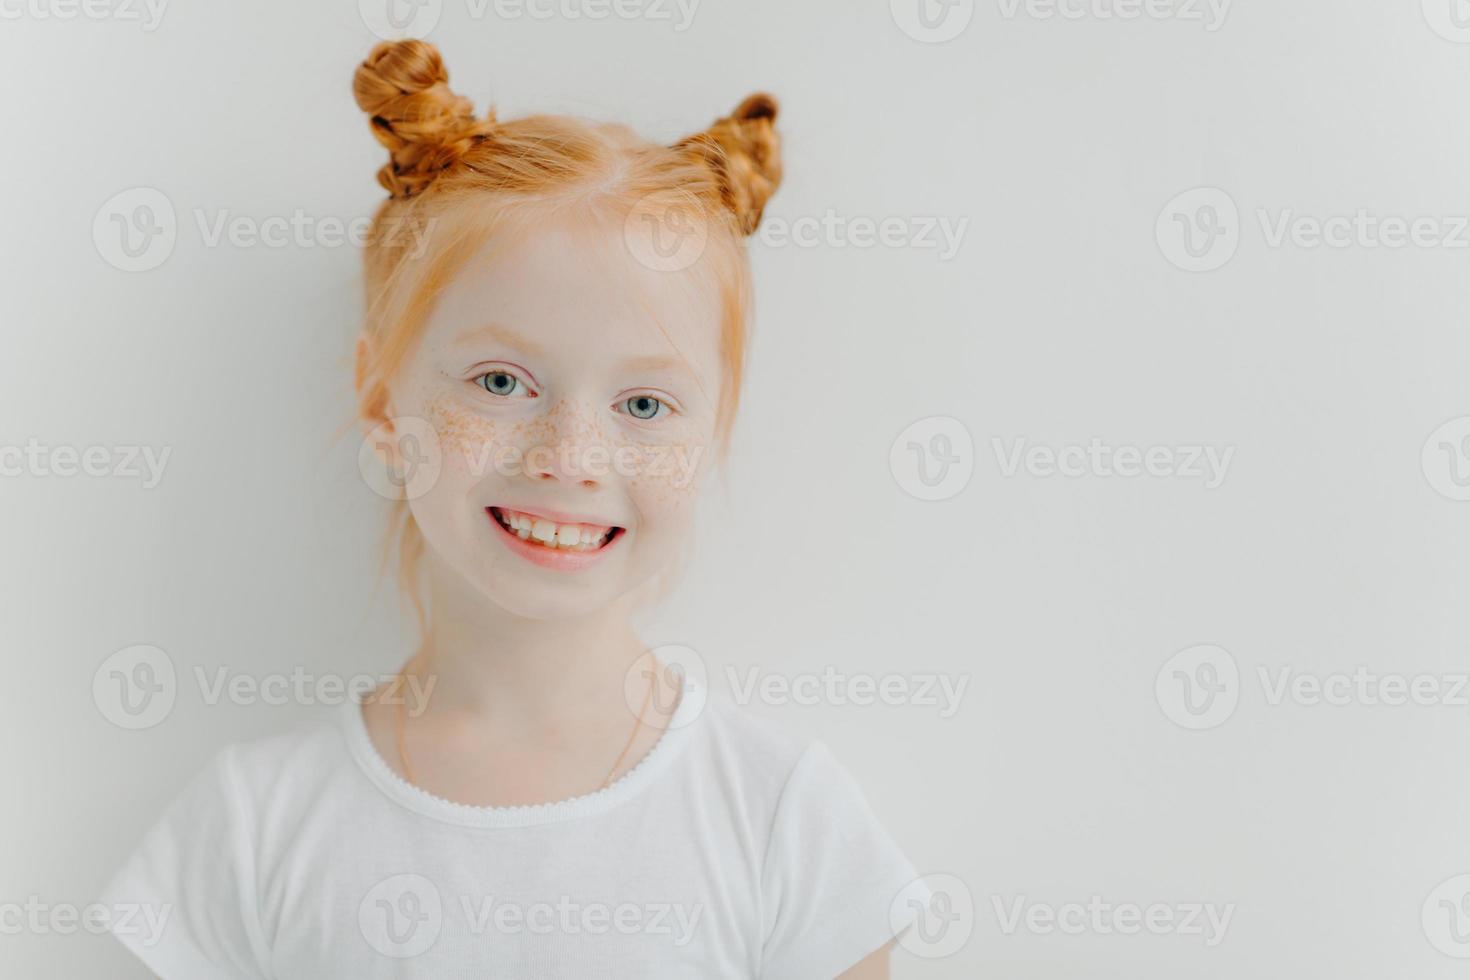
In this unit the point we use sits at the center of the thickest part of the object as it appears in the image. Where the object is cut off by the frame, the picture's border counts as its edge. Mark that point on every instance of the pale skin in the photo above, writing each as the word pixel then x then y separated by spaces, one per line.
pixel 562 340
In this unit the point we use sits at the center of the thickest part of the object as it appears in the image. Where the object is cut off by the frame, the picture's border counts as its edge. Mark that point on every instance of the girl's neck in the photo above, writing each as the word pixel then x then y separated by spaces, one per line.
pixel 526 674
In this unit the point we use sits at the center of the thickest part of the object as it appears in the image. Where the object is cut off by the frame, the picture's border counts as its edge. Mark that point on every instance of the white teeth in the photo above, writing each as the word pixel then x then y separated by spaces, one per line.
pixel 566 537
pixel 543 531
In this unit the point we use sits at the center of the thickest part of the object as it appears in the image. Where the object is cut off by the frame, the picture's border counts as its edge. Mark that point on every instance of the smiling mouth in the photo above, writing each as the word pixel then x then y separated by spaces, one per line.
pixel 542 533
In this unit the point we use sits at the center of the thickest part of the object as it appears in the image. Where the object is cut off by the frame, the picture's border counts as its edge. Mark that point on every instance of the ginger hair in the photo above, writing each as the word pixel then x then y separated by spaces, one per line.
pixel 454 177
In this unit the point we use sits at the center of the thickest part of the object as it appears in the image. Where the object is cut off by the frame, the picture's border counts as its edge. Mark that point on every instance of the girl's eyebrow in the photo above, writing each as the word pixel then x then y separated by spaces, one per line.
pixel 508 337
pixel 503 334
pixel 654 362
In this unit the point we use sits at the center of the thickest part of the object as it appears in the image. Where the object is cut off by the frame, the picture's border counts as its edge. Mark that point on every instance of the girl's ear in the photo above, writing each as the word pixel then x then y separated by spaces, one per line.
pixel 372 407
pixel 362 353
pixel 744 151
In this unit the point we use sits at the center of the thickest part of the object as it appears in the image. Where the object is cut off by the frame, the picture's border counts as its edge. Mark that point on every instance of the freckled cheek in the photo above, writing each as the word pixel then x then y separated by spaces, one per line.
pixel 468 441
pixel 667 473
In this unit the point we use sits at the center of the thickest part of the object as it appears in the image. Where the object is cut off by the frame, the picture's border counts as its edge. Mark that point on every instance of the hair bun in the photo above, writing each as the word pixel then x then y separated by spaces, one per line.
pixel 404 87
pixel 744 150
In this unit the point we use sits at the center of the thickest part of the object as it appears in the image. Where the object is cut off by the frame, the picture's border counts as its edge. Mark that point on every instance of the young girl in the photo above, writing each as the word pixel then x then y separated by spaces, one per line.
pixel 555 334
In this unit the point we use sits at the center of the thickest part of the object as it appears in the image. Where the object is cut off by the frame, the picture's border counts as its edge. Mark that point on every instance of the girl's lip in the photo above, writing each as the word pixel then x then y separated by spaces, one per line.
pixel 558 516
pixel 553 558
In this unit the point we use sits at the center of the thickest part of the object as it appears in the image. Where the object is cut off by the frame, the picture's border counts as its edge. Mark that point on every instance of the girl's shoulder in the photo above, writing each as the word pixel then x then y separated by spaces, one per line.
pixel 302 755
pixel 780 770
pixel 192 874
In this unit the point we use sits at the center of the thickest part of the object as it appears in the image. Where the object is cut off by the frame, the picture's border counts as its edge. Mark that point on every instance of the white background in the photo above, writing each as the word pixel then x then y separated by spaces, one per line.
pixel 1061 318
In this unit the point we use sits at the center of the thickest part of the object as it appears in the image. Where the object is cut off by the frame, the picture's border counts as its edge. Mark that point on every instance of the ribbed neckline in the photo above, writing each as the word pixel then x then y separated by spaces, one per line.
pixel 401 791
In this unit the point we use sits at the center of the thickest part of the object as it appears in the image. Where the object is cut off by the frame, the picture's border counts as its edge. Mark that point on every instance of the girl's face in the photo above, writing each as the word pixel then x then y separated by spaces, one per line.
pixel 573 394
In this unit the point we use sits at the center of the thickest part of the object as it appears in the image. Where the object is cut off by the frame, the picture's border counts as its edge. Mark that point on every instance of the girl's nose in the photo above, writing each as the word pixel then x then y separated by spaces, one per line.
pixel 572 446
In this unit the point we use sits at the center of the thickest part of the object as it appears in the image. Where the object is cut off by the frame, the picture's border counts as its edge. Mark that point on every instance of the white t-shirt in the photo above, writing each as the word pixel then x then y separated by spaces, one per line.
pixel 734 848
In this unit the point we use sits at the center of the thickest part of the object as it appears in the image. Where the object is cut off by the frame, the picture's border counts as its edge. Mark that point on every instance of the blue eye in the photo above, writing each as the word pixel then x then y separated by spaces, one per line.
pixel 501 383
pixel 643 407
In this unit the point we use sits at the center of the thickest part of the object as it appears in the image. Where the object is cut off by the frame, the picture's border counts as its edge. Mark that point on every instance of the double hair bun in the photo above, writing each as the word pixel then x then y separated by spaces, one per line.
pixel 429 130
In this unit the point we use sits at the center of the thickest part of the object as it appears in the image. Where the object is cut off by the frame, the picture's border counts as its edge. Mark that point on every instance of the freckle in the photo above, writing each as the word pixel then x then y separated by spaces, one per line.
pixel 463 435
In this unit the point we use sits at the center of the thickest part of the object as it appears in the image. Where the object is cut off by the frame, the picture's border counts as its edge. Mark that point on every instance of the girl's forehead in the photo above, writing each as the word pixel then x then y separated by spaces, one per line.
pixel 579 288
